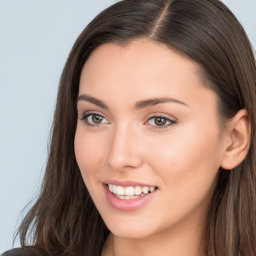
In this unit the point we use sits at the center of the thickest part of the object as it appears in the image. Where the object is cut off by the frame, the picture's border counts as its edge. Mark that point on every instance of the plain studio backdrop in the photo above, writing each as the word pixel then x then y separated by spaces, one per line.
pixel 35 39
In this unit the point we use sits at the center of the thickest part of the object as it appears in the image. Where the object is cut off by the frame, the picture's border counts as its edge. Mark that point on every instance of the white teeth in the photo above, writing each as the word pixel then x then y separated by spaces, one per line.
pixel 120 190
pixel 130 192
pixel 152 189
pixel 145 190
pixel 138 190
pixel 127 197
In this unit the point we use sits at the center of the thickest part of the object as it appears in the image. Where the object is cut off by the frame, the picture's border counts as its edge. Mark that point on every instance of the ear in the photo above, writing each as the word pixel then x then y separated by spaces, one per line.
pixel 237 140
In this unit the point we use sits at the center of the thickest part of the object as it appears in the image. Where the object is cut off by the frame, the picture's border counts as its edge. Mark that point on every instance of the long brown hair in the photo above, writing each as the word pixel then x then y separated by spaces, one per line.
pixel 64 220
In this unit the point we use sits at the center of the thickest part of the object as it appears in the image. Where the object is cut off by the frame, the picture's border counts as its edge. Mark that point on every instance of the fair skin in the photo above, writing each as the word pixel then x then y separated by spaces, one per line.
pixel 176 146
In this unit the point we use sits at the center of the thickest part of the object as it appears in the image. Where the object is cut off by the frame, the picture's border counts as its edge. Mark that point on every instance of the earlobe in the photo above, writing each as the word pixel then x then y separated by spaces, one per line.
pixel 238 140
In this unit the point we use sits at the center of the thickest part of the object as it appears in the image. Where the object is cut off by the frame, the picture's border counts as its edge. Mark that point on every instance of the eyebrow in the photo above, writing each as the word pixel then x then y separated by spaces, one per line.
pixel 92 100
pixel 138 105
pixel 155 101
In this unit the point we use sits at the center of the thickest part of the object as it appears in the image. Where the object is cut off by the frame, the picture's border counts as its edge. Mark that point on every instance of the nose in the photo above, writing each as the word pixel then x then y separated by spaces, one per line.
pixel 124 149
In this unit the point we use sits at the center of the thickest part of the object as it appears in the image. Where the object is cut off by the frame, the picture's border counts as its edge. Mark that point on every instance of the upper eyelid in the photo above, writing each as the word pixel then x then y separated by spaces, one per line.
pixel 168 120
pixel 167 116
pixel 86 114
pixel 92 112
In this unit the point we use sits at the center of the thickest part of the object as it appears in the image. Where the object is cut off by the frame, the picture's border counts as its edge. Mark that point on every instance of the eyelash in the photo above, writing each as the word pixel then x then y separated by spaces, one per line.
pixel 86 116
pixel 166 119
pixel 171 122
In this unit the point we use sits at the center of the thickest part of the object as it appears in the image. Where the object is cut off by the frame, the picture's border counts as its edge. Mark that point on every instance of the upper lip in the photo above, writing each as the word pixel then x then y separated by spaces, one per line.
pixel 127 183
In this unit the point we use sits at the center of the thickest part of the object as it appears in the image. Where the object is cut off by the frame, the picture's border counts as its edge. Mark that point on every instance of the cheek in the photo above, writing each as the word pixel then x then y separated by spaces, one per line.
pixel 188 166
pixel 88 153
pixel 188 160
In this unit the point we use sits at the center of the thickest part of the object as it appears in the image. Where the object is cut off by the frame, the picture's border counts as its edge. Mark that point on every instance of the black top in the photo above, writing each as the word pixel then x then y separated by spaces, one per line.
pixel 14 252
pixel 18 252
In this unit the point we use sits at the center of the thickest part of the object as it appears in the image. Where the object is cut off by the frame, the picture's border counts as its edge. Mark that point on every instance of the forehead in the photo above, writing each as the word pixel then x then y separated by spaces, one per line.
pixel 140 69
pixel 138 55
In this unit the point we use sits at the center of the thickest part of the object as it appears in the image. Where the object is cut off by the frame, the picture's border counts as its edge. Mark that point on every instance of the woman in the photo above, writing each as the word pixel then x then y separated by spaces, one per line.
pixel 153 144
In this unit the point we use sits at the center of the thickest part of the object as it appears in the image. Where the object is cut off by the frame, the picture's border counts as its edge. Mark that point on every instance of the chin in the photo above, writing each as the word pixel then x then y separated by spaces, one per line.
pixel 130 234
pixel 133 229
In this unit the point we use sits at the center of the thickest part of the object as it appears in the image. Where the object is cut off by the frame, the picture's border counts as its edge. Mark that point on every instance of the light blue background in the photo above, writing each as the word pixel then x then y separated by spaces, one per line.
pixel 35 39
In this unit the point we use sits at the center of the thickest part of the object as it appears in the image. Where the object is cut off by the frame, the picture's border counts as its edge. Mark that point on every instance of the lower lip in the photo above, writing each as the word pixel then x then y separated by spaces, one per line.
pixel 127 205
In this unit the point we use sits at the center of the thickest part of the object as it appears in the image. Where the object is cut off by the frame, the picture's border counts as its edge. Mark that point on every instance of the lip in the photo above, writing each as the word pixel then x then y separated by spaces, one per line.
pixel 127 183
pixel 128 205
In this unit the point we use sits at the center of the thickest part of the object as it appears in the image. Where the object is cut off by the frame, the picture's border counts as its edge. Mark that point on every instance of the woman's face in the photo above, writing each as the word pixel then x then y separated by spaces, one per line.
pixel 148 131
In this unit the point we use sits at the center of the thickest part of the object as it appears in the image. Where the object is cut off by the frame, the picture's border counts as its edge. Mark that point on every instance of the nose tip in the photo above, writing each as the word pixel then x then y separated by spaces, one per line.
pixel 124 152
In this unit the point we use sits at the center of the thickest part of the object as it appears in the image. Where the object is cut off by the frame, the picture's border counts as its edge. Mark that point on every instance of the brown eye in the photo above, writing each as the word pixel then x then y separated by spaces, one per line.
pixel 94 119
pixel 160 122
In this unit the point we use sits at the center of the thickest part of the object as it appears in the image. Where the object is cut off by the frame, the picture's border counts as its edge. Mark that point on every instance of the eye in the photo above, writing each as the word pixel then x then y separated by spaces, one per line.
pixel 160 121
pixel 94 119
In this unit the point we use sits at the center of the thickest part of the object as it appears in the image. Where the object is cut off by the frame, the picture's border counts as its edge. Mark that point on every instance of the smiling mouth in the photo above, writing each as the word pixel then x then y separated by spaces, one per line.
pixel 130 192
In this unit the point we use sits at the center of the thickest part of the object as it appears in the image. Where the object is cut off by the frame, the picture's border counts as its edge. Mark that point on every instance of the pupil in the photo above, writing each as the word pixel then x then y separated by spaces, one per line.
pixel 96 119
pixel 160 121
